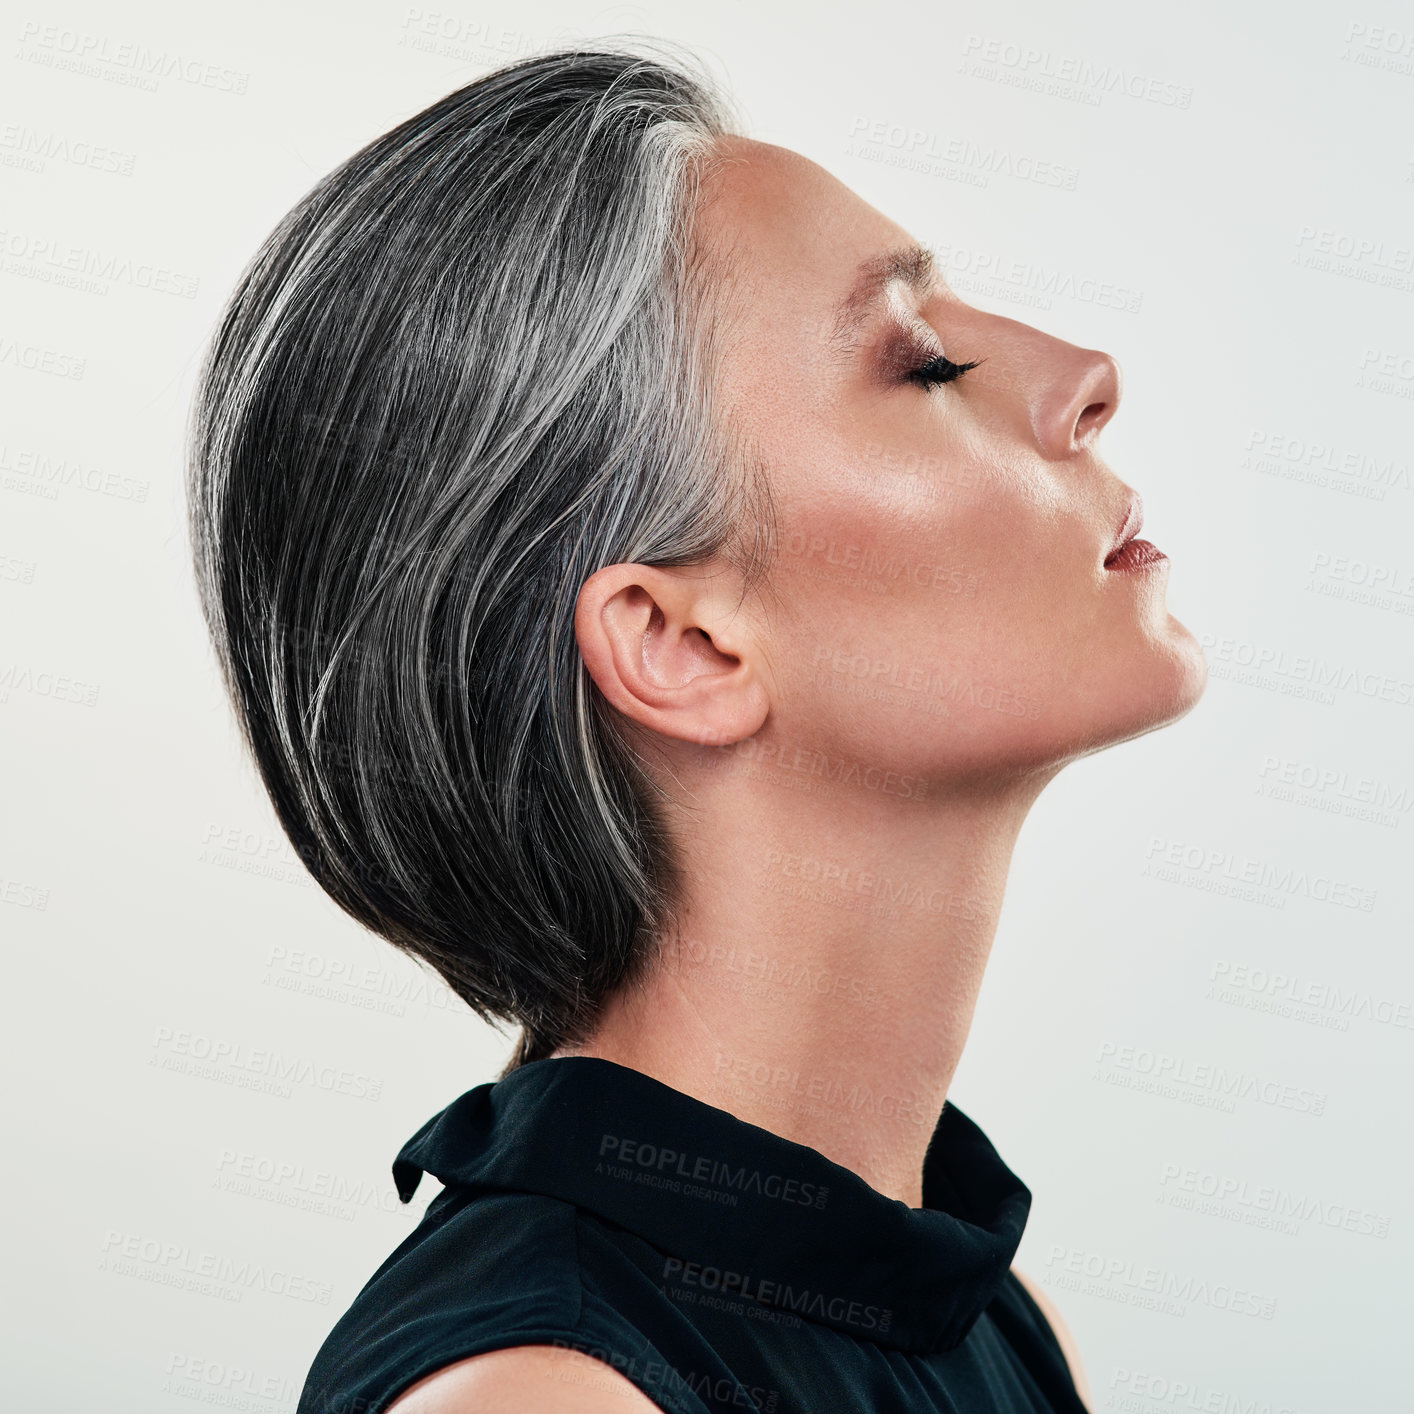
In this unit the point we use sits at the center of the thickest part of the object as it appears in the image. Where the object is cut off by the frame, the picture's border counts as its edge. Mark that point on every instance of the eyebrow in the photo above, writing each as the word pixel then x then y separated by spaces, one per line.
pixel 913 265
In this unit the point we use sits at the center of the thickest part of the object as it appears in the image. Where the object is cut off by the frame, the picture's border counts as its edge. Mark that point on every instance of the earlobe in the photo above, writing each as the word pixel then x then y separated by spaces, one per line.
pixel 651 641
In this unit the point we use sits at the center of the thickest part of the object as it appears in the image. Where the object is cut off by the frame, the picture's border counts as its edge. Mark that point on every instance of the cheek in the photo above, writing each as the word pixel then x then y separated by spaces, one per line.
pixel 941 600
pixel 925 567
pixel 955 539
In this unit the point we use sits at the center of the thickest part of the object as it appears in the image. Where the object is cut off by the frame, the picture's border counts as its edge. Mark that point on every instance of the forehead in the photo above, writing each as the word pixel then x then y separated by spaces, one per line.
pixel 791 234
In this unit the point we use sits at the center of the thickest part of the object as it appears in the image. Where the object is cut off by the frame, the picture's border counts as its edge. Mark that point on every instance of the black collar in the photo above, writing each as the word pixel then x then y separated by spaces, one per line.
pixel 736 1208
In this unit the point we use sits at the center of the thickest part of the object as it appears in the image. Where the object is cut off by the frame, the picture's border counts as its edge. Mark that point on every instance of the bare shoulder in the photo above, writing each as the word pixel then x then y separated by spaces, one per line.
pixel 525 1379
pixel 1067 1341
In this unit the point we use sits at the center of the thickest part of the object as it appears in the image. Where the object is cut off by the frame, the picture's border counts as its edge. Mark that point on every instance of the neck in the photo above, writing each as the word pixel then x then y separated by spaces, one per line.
pixel 822 975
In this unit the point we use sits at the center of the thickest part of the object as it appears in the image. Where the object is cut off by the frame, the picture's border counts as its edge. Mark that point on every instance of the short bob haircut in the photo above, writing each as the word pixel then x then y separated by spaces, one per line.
pixel 468 369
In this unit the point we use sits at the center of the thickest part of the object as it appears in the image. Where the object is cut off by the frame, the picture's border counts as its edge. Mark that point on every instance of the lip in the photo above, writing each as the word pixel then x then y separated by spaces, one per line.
pixel 1134 554
pixel 1132 524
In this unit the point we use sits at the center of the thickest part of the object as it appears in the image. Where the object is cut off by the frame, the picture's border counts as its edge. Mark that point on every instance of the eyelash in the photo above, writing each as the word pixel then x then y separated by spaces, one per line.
pixel 938 370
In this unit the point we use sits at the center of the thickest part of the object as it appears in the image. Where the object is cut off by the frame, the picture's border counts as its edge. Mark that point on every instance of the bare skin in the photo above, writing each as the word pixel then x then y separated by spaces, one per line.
pixel 833 942
pixel 996 472
pixel 525 1379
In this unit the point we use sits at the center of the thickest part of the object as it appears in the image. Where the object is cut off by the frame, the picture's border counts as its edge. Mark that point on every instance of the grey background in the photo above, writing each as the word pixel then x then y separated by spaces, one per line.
pixel 1204 1080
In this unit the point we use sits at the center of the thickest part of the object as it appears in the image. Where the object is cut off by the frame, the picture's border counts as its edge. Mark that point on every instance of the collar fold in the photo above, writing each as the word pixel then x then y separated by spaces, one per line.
pixel 736 1209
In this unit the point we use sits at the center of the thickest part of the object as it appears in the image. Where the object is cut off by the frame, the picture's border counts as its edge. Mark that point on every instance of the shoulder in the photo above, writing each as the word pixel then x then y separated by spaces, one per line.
pixel 478 1272
pixel 1064 1338
pixel 503 1255
pixel 486 1308
pixel 525 1379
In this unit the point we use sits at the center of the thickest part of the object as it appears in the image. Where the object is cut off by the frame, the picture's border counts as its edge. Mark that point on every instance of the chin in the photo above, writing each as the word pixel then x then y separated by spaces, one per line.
pixel 1174 679
pixel 1190 663
pixel 1152 690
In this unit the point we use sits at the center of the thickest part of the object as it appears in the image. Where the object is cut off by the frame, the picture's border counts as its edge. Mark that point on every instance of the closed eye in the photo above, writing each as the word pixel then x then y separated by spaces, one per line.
pixel 939 369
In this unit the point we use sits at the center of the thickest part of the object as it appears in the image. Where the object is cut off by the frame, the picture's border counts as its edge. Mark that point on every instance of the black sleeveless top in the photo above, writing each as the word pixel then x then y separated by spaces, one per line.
pixel 715 1264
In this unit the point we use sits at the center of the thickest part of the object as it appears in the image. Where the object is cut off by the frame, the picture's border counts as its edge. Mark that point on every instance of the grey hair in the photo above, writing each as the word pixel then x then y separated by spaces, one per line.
pixel 469 368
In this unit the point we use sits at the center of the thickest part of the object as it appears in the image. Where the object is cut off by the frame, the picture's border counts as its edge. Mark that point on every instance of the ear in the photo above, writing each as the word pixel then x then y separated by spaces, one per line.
pixel 669 648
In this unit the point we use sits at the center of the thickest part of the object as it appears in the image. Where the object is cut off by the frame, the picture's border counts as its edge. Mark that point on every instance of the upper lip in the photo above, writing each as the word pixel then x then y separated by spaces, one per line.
pixel 1130 527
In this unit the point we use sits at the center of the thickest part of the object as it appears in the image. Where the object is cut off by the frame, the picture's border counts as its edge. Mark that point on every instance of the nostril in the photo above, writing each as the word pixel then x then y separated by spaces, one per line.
pixel 1090 419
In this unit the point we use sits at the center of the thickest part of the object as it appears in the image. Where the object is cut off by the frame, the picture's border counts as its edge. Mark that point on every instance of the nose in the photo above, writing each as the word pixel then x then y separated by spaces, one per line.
pixel 1076 401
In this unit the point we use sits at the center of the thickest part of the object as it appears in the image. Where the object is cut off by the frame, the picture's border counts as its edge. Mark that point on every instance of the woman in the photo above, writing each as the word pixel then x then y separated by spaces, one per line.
pixel 653 599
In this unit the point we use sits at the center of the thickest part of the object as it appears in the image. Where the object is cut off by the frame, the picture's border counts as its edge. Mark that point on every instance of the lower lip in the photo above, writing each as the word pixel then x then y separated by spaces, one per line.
pixel 1136 555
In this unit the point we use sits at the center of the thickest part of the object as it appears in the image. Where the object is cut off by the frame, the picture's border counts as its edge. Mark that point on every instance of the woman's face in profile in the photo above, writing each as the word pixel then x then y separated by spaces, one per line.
pixel 942 545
